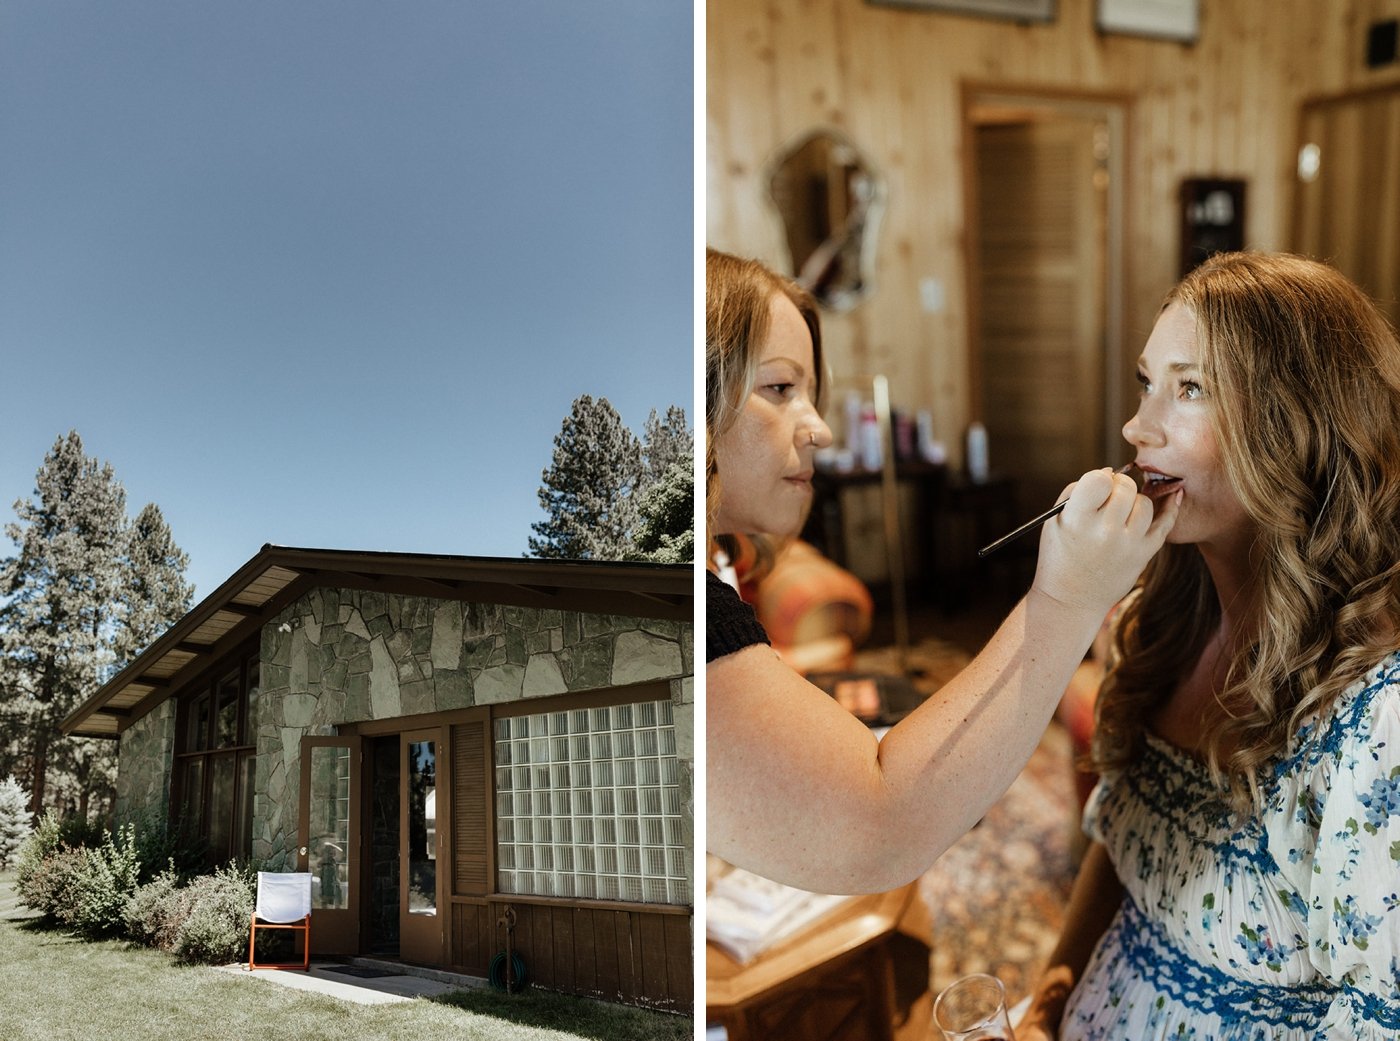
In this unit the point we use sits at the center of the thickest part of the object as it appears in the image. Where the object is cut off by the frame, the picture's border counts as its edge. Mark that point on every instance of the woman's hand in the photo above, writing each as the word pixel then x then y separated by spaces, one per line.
pixel 1093 552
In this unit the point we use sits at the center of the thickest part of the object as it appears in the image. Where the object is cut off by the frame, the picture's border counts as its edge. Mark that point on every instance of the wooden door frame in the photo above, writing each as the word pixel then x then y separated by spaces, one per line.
pixel 1117 109
pixel 335 931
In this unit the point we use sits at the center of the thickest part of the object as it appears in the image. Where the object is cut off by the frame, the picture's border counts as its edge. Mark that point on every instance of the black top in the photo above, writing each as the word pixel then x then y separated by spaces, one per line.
pixel 730 624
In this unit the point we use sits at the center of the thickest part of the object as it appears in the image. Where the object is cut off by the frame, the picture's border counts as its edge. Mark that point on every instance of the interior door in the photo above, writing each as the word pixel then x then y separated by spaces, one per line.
pixel 1347 203
pixel 1041 225
pixel 329 833
pixel 422 881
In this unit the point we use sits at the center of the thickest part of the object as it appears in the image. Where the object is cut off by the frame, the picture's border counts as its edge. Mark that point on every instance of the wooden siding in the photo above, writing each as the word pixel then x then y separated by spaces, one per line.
pixel 474 940
pixel 635 956
pixel 892 81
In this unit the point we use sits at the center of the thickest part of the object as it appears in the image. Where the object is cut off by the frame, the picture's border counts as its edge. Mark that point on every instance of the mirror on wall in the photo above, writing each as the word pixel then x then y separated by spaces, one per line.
pixel 828 197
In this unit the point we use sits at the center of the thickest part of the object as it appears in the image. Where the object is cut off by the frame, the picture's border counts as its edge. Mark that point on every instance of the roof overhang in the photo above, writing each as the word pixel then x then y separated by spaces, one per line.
pixel 278 575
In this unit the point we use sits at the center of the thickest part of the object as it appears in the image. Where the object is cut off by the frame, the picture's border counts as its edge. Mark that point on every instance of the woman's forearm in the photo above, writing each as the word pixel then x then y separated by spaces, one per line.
pixel 801 792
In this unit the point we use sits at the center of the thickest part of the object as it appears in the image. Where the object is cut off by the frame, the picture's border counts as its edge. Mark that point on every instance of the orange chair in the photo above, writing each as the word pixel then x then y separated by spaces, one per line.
pixel 284 902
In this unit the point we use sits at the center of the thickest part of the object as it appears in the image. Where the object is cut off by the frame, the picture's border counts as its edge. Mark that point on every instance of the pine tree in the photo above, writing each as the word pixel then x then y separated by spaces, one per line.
pixel 666 529
pixel 155 592
pixel 14 820
pixel 665 442
pixel 85 586
pixel 587 490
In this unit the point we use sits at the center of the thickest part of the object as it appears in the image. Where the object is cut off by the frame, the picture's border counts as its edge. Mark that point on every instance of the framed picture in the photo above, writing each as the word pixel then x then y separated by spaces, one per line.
pixel 1178 20
pixel 1015 10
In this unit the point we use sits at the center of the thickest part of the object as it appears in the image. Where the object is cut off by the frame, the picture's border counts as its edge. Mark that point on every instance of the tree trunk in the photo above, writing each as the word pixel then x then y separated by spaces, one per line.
pixel 41 766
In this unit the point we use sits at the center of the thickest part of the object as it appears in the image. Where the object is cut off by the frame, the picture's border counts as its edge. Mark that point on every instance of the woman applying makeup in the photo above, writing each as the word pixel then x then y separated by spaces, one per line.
pixel 798 789
pixel 1243 879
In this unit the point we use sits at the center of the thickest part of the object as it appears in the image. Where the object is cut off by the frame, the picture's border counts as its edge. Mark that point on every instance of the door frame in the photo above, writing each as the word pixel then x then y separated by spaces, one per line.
pixel 1116 110
pixel 334 930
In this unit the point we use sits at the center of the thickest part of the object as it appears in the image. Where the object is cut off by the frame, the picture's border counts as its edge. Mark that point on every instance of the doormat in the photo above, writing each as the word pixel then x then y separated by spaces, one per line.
pixel 360 971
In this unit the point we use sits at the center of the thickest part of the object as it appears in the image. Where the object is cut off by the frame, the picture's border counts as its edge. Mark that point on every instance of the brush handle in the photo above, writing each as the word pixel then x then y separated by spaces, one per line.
pixel 1036 522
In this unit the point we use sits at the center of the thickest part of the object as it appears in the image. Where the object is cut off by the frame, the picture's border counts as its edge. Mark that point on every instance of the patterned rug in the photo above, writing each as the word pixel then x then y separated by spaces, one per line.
pixel 996 898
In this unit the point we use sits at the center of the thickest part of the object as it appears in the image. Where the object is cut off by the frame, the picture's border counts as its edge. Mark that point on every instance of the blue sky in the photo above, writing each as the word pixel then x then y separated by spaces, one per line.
pixel 330 273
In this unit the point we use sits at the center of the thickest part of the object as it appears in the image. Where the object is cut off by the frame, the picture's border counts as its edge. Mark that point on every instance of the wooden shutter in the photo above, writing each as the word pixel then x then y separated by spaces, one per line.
pixel 470 808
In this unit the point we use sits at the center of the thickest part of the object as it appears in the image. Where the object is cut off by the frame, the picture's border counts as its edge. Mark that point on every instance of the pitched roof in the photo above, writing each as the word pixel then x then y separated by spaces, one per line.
pixel 278 575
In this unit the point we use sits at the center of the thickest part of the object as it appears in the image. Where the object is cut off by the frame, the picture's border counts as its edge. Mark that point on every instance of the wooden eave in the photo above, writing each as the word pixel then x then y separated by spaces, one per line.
pixel 278 575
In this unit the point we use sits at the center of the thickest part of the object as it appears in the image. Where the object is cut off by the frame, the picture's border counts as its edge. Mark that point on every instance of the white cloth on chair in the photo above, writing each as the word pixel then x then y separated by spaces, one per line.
pixel 283 896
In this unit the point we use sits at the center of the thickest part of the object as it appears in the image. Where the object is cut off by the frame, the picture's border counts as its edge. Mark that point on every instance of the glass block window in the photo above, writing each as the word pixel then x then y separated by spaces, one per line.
pixel 588 805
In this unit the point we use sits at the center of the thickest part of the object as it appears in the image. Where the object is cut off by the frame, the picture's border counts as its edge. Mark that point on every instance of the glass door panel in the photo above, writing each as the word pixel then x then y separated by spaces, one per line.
pixel 420 926
pixel 330 840
pixel 328 845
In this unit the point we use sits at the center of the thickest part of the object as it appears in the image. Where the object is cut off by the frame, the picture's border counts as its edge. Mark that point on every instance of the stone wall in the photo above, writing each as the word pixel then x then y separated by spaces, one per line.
pixel 340 656
pixel 144 762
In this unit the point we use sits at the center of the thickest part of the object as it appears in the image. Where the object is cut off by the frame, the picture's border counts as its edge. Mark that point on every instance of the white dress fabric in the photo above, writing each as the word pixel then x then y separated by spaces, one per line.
pixel 1285 927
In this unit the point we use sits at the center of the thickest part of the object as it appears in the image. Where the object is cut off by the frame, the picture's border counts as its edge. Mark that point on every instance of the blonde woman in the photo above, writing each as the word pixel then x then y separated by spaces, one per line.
pixel 1244 878
pixel 798 790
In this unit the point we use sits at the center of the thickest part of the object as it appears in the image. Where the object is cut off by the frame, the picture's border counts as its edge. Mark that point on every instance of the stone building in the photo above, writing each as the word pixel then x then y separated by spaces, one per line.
pixel 437 739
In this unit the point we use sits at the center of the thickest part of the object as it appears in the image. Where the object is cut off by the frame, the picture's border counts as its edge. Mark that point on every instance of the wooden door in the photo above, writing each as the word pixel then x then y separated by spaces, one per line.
pixel 1347 204
pixel 329 835
pixel 1041 228
pixel 423 817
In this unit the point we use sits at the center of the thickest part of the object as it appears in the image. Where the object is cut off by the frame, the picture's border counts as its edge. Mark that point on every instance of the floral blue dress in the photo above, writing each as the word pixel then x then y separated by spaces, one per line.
pixel 1285 927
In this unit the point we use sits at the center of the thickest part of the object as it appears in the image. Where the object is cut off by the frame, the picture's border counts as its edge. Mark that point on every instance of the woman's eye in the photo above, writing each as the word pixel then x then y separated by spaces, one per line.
pixel 1144 383
pixel 1191 390
pixel 781 389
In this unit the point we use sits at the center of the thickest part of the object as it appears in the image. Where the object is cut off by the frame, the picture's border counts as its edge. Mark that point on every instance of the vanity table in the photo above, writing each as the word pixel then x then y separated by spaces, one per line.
pixel 834 981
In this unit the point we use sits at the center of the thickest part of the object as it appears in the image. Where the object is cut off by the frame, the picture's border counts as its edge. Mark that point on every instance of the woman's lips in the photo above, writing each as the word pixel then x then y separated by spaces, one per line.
pixel 1157 485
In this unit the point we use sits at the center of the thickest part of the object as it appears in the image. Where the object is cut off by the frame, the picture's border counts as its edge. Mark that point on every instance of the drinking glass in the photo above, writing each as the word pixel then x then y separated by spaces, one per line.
pixel 973 1009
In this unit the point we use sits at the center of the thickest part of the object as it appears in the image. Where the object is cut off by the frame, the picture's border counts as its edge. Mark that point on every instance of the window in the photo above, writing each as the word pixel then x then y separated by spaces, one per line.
pixel 213 775
pixel 588 805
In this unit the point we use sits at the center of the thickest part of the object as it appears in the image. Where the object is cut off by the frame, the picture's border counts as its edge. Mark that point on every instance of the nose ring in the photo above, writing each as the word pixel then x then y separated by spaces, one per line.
pixel 811 437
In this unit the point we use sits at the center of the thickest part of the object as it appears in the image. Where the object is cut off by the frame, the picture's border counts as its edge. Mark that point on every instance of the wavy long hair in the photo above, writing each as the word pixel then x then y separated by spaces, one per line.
pixel 1304 371
pixel 738 294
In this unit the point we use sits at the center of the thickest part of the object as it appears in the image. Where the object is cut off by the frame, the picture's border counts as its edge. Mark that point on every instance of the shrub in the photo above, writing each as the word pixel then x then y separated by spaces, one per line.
pixel 42 843
pixel 209 922
pixel 147 912
pixel 69 878
pixel 15 824
pixel 48 884
pixel 160 848
pixel 107 878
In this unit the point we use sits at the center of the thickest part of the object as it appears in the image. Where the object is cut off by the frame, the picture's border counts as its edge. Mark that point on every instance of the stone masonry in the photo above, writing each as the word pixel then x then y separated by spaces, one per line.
pixel 144 761
pixel 341 656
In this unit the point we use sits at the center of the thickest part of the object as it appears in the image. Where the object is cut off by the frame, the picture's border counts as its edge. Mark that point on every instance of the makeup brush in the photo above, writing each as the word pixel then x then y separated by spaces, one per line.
pixel 1036 522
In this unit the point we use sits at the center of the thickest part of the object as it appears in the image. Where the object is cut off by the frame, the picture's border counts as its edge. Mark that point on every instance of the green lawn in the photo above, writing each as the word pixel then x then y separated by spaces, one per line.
pixel 57 988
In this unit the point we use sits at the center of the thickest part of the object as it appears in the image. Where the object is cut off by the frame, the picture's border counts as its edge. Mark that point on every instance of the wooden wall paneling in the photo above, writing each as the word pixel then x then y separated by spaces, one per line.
pixel 679 944
pixel 605 937
pixel 889 78
pixel 651 943
pixel 585 953
pixel 561 922
pixel 742 131
pixel 474 943
pixel 628 976
pixel 1388 215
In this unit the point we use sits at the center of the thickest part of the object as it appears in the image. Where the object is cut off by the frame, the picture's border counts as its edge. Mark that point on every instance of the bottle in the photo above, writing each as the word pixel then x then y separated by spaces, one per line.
pixel 872 456
pixel 977 463
pixel 852 411
pixel 931 450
